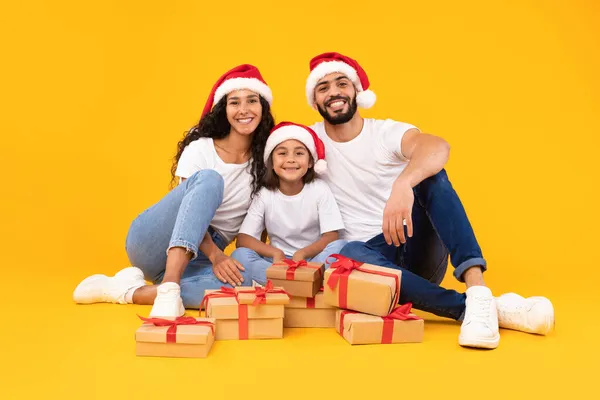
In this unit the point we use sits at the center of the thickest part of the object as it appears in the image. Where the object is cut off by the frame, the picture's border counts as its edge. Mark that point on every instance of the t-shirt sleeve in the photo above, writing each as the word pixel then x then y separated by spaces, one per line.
pixel 330 218
pixel 254 223
pixel 391 133
pixel 192 160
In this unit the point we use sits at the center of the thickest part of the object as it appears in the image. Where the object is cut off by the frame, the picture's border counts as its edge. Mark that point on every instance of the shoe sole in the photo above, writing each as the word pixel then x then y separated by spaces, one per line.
pixel 479 343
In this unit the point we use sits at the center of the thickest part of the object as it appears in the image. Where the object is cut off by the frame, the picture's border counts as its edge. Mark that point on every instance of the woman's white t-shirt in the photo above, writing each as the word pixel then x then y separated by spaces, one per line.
pixel 201 154
pixel 293 222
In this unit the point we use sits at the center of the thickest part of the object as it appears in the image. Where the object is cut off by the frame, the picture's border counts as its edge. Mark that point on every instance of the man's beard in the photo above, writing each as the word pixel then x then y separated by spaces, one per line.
pixel 339 118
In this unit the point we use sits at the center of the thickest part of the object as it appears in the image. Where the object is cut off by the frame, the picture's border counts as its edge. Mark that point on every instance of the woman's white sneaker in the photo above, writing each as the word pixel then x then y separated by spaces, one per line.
pixel 480 324
pixel 531 315
pixel 103 289
pixel 168 303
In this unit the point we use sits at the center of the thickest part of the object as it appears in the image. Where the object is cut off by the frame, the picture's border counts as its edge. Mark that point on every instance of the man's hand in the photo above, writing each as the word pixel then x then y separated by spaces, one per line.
pixel 397 210
pixel 227 270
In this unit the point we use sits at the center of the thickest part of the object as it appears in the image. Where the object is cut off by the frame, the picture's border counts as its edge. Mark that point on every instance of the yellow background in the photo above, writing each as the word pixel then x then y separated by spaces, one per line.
pixel 96 94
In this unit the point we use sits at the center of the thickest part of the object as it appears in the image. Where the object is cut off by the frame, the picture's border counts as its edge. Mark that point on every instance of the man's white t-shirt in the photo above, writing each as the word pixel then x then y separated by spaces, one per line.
pixel 293 222
pixel 361 172
pixel 201 154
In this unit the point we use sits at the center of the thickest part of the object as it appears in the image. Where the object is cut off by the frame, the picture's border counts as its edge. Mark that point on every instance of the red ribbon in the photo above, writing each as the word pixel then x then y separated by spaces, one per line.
pixel 401 313
pixel 172 324
pixel 290 273
pixel 242 309
pixel 310 301
pixel 343 268
pixel 261 293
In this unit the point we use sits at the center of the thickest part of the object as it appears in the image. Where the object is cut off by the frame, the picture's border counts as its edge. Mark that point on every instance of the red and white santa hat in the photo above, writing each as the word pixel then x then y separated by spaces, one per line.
pixel 328 63
pixel 288 130
pixel 243 76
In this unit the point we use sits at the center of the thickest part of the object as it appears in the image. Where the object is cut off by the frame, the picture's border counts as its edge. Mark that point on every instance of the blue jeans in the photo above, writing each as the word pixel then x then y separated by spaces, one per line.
pixel 440 227
pixel 251 260
pixel 181 219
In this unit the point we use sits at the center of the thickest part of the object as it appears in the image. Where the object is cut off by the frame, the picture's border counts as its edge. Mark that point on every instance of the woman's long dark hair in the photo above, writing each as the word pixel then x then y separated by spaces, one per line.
pixel 215 125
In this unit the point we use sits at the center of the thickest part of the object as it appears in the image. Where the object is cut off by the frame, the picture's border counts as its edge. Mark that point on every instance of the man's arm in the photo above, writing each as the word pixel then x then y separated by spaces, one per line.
pixel 427 155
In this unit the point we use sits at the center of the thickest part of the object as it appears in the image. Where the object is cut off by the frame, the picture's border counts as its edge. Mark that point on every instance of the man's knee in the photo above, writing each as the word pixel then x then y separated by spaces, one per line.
pixel 353 249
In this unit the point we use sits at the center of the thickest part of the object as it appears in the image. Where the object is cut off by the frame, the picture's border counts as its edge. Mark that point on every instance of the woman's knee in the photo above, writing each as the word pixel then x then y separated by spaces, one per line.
pixel 207 179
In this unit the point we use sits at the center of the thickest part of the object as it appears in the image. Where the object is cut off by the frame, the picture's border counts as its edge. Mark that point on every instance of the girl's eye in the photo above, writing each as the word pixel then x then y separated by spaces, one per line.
pixel 233 103
pixel 253 101
pixel 300 153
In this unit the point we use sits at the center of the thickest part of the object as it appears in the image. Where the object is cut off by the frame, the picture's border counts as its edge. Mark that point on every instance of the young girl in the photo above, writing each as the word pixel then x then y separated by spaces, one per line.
pixel 178 243
pixel 298 211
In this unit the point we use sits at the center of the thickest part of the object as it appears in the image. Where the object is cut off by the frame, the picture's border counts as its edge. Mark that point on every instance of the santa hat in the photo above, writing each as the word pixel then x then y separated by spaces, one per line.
pixel 328 63
pixel 288 130
pixel 244 76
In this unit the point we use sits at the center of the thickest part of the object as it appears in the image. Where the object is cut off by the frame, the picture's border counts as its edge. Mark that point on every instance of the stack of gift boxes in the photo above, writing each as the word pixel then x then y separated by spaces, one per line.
pixel 359 300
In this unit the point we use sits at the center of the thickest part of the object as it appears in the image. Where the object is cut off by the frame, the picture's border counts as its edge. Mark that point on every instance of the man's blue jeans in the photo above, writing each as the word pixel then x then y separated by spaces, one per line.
pixel 440 228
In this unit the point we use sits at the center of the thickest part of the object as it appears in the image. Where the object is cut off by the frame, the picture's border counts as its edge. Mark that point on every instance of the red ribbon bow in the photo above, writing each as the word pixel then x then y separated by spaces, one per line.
pixel 172 324
pixel 401 313
pixel 343 268
pixel 261 293
pixel 290 273
pixel 242 309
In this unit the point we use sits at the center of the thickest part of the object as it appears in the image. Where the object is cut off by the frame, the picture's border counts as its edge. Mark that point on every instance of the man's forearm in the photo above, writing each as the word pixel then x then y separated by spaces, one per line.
pixel 428 157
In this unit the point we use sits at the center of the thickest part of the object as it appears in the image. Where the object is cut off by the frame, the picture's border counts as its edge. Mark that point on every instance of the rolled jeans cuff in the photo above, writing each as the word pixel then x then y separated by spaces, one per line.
pixel 460 270
pixel 186 245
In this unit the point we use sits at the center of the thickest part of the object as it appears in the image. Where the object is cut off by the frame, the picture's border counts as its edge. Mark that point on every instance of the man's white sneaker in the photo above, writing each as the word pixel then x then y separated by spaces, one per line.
pixel 103 289
pixel 168 303
pixel 480 324
pixel 531 315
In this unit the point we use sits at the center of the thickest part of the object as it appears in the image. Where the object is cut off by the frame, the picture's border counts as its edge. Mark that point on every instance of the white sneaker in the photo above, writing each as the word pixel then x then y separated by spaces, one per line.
pixel 531 315
pixel 103 289
pixel 168 303
pixel 480 324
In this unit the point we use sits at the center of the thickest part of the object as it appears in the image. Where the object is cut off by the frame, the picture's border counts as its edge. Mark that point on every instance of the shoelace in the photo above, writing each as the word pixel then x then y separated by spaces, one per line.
pixel 481 309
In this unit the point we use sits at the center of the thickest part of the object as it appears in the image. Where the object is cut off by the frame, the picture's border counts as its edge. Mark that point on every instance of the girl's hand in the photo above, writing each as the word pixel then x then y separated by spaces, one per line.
pixel 227 270
pixel 298 256
pixel 279 256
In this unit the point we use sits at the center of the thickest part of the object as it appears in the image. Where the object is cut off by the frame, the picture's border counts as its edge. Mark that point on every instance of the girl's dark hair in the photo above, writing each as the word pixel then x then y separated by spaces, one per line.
pixel 215 125
pixel 271 180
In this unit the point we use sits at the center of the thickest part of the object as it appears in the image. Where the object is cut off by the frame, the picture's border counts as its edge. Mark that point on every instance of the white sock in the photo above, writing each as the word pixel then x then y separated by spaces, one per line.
pixel 129 294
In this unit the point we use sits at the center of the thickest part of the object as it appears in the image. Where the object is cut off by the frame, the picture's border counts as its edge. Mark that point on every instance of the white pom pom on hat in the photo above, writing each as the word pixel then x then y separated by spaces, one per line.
pixel 288 130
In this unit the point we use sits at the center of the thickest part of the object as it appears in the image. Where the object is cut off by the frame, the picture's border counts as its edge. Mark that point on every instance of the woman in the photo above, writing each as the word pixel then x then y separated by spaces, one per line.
pixel 220 165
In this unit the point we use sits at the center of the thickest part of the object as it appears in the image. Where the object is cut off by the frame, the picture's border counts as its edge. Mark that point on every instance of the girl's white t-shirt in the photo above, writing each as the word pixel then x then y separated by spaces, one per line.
pixel 293 222
pixel 201 154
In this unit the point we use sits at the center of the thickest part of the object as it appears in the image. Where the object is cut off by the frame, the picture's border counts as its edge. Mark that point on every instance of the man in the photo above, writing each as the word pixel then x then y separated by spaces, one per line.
pixel 400 210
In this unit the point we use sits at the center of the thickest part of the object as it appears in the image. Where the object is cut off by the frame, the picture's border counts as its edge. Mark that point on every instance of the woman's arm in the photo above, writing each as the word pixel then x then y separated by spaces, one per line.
pixel 317 247
pixel 261 248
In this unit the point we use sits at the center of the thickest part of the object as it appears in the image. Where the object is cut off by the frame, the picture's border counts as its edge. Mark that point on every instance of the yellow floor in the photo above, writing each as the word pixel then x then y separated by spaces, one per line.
pixel 76 351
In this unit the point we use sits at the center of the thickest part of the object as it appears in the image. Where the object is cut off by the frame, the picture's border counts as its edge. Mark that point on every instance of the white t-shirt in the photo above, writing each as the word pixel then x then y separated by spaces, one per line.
pixel 293 222
pixel 201 154
pixel 361 172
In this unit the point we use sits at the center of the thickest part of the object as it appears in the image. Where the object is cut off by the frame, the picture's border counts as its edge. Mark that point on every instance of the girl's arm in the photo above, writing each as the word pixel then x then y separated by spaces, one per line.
pixel 261 248
pixel 317 247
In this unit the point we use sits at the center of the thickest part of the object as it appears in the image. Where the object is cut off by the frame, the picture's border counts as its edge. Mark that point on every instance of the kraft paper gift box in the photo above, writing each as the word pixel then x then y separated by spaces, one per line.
pixel 357 286
pixel 400 326
pixel 181 337
pixel 309 312
pixel 298 278
pixel 235 321
pixel 268 294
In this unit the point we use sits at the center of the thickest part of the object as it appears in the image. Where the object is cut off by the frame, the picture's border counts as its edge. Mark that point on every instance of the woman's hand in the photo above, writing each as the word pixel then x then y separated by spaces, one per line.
pixel 227 270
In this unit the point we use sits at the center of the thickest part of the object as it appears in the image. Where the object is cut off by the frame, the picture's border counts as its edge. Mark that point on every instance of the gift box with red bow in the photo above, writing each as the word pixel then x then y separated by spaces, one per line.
pixel 309 312
pixel 246 313
pixel 298 278
pixel 179 337
pixel 400 326
pixel 362 287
